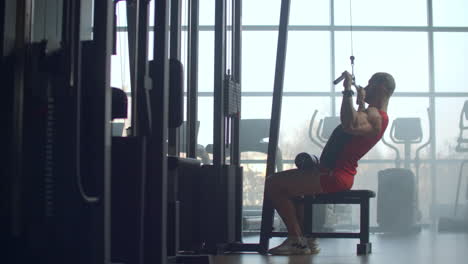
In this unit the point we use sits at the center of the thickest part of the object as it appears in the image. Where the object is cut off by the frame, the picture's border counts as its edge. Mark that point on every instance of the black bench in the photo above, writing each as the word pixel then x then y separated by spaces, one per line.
pixel 360 197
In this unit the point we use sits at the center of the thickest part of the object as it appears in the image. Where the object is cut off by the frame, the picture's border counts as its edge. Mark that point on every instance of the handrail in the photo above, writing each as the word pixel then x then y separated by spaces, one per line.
pixel 416 158
pixel 458 187
pixel 397 157
pixel 319 128
pixel 429 140
pixel 462 127
pixel 311 125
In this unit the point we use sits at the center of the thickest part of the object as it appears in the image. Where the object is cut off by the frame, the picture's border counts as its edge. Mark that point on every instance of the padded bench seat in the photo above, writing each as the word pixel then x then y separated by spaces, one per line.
pixel 360 197
pixel 348 196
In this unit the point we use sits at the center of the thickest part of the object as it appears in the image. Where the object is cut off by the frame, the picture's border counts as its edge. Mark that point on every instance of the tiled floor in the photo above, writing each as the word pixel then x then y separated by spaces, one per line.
pixel 426 247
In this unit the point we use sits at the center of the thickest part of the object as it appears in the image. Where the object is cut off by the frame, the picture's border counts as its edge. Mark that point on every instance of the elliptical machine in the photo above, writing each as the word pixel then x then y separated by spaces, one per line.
pixel 458 223
pixel 305 161
pixel 397 196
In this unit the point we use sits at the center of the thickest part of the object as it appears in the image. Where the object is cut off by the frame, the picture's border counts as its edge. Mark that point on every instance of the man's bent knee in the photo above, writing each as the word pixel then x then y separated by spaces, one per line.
pixel 274 187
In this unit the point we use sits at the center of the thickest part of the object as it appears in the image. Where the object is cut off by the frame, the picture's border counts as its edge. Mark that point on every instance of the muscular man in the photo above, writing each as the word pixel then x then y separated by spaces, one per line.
pixel 358 132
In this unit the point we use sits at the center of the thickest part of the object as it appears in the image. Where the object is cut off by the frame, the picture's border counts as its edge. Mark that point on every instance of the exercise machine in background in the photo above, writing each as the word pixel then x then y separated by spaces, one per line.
pixel 322 212
pixel 459 222
pixel 397 197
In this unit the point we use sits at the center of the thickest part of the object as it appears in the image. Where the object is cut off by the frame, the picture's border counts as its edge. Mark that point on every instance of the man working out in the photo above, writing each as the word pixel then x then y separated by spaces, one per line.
pixel 358 132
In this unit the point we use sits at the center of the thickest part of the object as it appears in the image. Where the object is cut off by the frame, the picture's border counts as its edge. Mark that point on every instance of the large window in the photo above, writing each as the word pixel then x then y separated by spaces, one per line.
pixel 451 61
pixel 381 12
pixel 307 62
pixel 423 44
pixel 450 13
pixel 403 54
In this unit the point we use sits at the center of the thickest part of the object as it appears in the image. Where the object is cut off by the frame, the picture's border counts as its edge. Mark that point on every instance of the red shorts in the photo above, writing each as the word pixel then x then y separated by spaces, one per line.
pixel 335 180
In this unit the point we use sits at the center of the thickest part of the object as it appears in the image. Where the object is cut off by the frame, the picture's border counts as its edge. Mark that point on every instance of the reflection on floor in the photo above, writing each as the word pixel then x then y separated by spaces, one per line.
pixel 428 247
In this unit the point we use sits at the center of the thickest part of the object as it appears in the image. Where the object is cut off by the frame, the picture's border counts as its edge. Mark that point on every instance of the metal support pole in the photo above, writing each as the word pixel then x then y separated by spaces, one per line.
pixel 140 96
pixel 332 58
pixel 219 77
pixel 22 34
pixel 175 29
pixel 192 79
pixel 12 142
pixel 267 210
pixel 235 130
pixel 236 74
pixel 155 218
pixel 174 50
pixel 407 155
pixel 133 17
pixel 103 18
pixel 433 153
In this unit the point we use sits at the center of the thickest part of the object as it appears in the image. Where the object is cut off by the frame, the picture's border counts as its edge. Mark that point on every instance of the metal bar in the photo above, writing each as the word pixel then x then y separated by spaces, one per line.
pixel 336 201
pixel 155 223
pixel 333 28
pixel 407 147
pixel 355 28
pixel 332 58
pixel 174 50
pixel 237 40
pixel 192 79
pixel 335 235
pixel 364 221
pixel 308 218
pixel 219 77
pixel 8 12
pixel 133 17
pixel 10 224
pixel 320 235
pixel 235 132
pixel 430 23
pixel 457 194
pixel 175 29
pixel 22 33
pixel 327 94
pixel 244 247
pixel 268 211
pixel 103 38
pixel 140 104
pixel 236 75
pixel 368 161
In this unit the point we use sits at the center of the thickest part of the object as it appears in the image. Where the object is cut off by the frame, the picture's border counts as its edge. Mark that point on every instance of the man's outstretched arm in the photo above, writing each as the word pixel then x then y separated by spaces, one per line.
pixel 366 123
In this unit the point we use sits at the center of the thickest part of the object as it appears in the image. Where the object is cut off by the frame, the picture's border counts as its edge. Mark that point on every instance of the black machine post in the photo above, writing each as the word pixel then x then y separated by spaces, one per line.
pixel 15 32
pixel 192 78
pixel 175 118
pixel 10 135
pixel 129 157
pixel 176 82
pixel 60 217
pixel 221 181
pixel 129 153
pixel 219 143
pixel 267 210
pixel 155 201
pixel 141 107
pixel 101 98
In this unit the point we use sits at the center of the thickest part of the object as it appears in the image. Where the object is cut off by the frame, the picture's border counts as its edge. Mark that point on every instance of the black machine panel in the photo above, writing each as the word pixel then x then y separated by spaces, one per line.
pixel 396 200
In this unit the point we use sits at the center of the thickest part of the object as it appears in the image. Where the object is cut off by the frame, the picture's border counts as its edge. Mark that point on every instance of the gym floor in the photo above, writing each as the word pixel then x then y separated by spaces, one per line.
pixel 428 247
